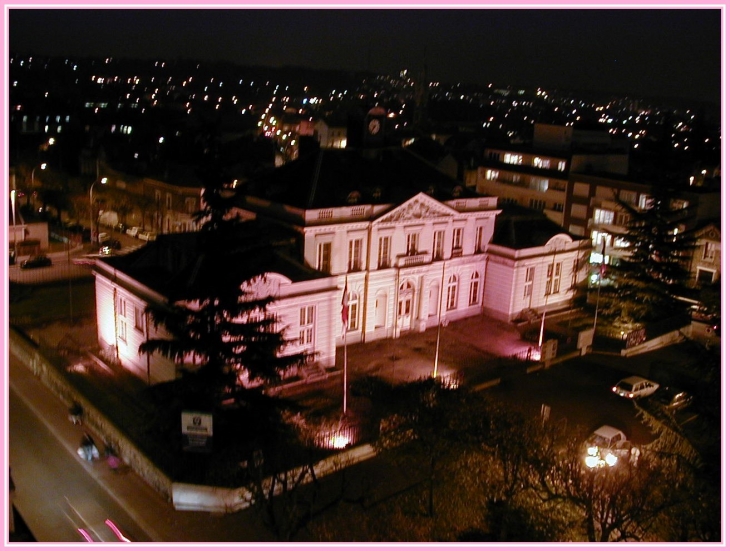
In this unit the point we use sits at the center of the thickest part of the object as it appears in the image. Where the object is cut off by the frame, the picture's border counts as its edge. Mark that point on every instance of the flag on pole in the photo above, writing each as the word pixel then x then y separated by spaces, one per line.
pixel 345 310
pixel 603 258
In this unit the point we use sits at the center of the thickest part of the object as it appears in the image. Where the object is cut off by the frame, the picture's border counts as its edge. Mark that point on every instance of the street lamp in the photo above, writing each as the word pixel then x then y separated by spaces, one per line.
pixel 32 180
pixel 91 208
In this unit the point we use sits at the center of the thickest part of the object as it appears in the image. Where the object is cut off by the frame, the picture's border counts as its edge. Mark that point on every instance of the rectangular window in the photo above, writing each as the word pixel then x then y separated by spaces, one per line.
pixel 552 285
pixel 457 239
pixel 539 184
pixel 122 308
pixel 354 255
pixel 561 166
pixel 536 204
pixel 529 278
pixel 412 243
pixel 627 196
pixel 306 325
pixel 138 318
pixel 623 218
pixel 512 159
pixel 438 245
pixel 478 247
pixel 324 257
pixel 122 331
pixel 168 201
pixel 492 174
pixel 603 216
pixel 708 252
pixel 384 252
pixel 645 201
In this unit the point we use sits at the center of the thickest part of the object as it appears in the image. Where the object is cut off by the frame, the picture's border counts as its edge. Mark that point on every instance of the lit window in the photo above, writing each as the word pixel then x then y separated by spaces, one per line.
pixel 512 159
pixel 603 216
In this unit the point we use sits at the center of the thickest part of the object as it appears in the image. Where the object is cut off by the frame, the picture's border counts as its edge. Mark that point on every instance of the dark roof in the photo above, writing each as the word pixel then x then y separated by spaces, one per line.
pixel 520 228
pixel 180 265
pixel 329 177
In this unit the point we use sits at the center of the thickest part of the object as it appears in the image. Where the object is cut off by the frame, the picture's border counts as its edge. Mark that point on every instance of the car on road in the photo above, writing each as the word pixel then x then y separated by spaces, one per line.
pixel 111 243
pixel 133 231
pixel 147 235
pixel 635 387
pixel 606 446
pixel 672 399
pixel 37 261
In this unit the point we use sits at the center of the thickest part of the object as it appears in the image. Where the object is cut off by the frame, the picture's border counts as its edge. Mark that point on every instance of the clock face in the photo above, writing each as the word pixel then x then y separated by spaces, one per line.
pixel 374 126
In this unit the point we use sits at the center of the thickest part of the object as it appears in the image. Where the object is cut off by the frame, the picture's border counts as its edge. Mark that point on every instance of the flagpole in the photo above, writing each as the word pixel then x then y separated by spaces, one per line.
pixel 345 319
pixel 438 331
pixel 600 278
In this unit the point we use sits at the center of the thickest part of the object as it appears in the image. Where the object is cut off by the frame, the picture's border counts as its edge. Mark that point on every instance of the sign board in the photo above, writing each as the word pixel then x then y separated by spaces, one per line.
pixel 197 431
pixel 585 339
pixel 549 349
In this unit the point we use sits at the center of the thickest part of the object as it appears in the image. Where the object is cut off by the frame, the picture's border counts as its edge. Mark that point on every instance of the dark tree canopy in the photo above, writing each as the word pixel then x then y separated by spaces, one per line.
pixel 645 284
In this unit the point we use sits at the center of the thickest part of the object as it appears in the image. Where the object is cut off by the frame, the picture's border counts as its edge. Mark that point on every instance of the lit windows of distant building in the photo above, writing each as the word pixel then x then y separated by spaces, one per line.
pixel 603 216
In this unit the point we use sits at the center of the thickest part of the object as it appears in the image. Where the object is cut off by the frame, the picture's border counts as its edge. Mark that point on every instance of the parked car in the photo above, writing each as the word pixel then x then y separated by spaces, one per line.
pixel 606 446
pixel 38 261
pixel 635 387
pixel 147 235
pixel 672 399
pixel 133 231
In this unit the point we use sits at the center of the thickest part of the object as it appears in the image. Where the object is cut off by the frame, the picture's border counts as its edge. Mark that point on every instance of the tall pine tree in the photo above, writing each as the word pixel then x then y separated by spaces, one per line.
pixel 213 317
pixel 645 285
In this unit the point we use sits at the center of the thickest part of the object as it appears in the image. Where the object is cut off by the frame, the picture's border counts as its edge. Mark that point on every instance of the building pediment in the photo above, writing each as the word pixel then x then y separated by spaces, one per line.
pixel 418 208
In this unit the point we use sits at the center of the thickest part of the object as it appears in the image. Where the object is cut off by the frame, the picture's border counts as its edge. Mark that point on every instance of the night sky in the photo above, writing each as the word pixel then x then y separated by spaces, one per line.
pixel 655 52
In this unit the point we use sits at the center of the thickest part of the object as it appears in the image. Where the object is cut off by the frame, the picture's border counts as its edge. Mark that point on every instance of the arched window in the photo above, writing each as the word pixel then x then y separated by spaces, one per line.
pixel 353 300
pixel 451 293
pixel 474 289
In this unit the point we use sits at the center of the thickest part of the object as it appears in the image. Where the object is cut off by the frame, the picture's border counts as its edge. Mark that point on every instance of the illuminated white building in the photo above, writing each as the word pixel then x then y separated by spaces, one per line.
pixel 410 246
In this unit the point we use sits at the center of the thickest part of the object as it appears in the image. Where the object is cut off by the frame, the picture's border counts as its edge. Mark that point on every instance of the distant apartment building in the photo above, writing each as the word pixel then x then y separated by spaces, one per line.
pixel 706 265
pixel 536 177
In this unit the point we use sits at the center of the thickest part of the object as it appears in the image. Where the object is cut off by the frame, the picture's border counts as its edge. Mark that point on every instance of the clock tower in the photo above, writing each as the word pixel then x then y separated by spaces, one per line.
pixel 375 127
